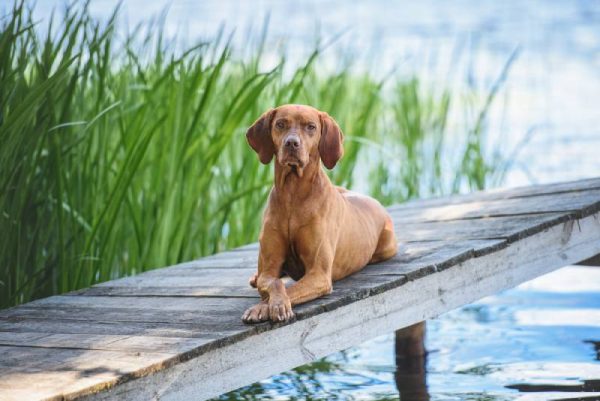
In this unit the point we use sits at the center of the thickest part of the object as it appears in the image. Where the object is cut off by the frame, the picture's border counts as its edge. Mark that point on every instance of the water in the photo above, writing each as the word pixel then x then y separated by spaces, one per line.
pixel 539 341
pixel 550 98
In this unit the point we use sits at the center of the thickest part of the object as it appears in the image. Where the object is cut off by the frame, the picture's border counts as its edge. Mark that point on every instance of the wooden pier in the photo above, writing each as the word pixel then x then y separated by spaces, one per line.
pixel 176 333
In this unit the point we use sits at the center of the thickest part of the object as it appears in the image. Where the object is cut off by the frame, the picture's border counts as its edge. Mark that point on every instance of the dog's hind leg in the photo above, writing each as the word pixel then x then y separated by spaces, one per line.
pixel 252 280
pixel 387 246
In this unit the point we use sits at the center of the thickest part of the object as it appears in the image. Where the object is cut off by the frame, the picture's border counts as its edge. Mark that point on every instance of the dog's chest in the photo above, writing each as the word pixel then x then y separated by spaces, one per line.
pixel 293 266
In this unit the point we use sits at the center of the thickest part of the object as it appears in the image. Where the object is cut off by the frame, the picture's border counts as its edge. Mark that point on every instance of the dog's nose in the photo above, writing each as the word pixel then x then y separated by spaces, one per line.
pixel 292 142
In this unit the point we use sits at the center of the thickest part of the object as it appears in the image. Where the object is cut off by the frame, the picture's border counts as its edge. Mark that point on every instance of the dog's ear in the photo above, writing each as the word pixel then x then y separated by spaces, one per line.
pixel 259 137
pixel 330 145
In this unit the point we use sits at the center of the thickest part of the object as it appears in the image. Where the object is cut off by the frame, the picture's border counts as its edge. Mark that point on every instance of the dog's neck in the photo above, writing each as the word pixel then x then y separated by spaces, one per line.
pixel 294 186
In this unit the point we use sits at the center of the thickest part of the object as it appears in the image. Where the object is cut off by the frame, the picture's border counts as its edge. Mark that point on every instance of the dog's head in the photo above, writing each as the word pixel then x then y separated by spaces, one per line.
pixel 296 135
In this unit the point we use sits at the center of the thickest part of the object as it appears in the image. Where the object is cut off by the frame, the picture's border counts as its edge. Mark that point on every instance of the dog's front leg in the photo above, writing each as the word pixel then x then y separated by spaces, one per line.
pixel 279 305
pixel 317 280
pixel 275 304
pixel 309 287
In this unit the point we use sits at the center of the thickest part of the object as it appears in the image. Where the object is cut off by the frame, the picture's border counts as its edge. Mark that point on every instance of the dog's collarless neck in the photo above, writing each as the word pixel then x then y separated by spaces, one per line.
pixel 292 188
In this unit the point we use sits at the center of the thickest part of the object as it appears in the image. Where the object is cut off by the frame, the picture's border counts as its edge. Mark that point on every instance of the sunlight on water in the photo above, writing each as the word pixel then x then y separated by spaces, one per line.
pixel 539 341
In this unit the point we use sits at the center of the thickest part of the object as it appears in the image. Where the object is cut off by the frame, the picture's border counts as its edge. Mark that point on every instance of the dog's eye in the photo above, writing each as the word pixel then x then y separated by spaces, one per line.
pixel 311 127
pixel 280 125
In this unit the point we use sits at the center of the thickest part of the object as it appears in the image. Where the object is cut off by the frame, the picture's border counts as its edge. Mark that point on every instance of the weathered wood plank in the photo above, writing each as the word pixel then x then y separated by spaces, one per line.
pixel 225 278
pixel 242 273
pixel 179 291
pixel 212 319
pixel 235 259
pixel 167 304
pixel 19 359
pixel 504 193
pixel 44 373
pixel 510 228
pixel 579 204
pixel 107 342
pixel 121 328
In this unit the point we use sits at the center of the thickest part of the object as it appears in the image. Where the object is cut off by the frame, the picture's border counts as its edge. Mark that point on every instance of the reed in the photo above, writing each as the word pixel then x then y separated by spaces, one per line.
pixel 122 155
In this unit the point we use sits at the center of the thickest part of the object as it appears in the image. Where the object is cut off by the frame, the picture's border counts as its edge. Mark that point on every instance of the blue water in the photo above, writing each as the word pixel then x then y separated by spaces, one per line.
pixel 550 100
pixel 539 341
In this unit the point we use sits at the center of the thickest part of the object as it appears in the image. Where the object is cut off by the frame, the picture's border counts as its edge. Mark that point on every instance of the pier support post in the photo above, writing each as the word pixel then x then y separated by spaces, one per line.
pixel 411 360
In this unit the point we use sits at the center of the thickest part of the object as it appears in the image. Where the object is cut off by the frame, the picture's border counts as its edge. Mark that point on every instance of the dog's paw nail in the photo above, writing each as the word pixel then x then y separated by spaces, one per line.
pixel 256 314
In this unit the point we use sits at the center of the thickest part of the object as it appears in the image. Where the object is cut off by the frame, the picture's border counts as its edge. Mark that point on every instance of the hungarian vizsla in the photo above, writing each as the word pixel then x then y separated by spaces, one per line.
pixel 312 231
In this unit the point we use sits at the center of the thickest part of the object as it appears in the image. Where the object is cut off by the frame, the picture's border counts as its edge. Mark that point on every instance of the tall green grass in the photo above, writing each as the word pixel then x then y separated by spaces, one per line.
pixel 120 155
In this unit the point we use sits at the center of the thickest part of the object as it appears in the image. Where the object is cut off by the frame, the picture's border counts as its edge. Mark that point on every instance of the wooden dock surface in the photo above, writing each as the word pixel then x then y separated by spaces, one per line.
pixel 176 334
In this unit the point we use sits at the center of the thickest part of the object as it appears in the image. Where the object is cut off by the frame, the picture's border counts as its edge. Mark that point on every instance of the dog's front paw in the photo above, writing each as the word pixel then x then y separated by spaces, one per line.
pixel 257 313
pixel 280 309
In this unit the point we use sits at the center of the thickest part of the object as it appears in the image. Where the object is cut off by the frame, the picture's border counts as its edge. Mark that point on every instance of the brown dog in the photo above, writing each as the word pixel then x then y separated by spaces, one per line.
pixel 312 231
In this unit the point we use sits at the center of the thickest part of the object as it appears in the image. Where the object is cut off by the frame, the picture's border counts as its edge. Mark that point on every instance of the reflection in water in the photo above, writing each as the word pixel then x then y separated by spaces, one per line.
pixel 596 345
pixel 587 386
pixel 503 347
pixel 411 358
